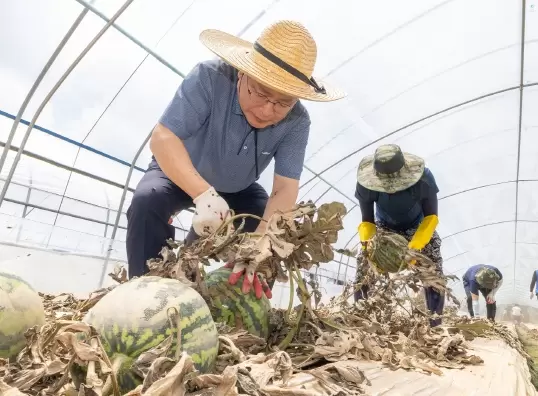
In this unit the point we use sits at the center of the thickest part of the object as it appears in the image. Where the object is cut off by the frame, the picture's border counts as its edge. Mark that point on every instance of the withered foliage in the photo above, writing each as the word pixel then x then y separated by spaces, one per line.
pixel 294 240
pixel 313 349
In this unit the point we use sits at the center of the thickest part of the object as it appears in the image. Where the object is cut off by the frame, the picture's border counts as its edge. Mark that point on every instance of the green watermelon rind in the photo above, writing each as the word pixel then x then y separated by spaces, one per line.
pixel 199 336
pixel 389 253
pixel 227 301
pixel 14 319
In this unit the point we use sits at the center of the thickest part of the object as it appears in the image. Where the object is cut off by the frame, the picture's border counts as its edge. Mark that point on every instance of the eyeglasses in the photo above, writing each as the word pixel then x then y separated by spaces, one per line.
pixel 260 99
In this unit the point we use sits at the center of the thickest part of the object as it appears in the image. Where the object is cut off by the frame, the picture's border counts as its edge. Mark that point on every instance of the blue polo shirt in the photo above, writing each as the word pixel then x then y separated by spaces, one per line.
pixel 205 114
pixel 469 278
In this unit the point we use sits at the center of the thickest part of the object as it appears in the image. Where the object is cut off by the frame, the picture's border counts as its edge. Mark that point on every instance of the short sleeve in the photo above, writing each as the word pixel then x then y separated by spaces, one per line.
pixel 429 188
pixel 365 195
pixel 191 105
pixel 290 154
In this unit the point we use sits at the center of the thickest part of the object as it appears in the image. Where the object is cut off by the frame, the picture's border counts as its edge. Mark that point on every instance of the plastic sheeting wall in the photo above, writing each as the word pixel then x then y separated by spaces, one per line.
pixel 448 80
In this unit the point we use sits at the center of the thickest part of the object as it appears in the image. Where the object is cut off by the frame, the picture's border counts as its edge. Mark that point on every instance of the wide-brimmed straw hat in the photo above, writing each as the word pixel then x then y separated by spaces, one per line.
pixel 390 170
pixel 282 58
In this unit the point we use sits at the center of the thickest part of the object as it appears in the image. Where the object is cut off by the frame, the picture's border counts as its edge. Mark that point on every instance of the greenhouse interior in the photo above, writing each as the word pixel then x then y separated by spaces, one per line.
pixel 84 82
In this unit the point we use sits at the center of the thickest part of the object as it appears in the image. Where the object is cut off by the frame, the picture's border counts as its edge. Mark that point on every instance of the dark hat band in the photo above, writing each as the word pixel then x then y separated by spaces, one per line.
pixel 289 68
pixel 395 164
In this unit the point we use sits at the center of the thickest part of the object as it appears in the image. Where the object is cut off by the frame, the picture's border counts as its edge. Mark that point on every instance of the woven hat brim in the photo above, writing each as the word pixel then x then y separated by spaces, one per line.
pixel 409 175
pixel 239 54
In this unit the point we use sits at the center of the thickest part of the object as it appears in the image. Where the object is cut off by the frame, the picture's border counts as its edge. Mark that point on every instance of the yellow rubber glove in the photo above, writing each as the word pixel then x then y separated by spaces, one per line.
pixel 366 231
pixel 424 232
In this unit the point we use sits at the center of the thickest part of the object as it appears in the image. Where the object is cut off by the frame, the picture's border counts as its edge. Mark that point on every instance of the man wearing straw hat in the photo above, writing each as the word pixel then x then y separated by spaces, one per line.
pixel 226 122
pixel 404 193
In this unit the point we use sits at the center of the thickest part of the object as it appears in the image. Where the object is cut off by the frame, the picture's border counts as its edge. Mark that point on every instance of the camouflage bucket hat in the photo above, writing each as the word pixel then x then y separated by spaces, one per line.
pixel 390 170
pixel 487 277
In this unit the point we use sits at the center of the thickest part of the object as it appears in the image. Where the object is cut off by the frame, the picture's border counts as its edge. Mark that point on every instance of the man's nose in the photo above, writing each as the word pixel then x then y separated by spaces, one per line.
pixel 268 109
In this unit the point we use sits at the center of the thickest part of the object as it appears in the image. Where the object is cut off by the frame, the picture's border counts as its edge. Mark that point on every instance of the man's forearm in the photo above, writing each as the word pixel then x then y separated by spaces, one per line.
pixel 281 199
pixel 175 162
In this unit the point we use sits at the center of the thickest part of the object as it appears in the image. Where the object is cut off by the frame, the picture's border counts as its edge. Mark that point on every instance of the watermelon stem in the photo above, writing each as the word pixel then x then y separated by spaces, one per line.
pixel 176 326
pixel 304 291
pixel 236 217
pixel 305 303
pixel 112 380
pixel 290 304
pixel 286 341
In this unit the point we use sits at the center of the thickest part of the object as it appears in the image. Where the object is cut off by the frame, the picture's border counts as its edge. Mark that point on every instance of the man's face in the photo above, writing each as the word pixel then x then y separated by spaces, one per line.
pixel 260 105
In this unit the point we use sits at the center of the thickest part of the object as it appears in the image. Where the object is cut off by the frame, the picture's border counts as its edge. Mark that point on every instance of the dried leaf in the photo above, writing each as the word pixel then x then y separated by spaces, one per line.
pixel 391 326
pixel 82 351
pixel 173 383
pixel 6 390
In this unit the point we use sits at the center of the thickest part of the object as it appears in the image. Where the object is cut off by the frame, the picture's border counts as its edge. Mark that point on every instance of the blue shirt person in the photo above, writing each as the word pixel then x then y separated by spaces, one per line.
pixel 534 284
pixel 485 279
pixel 227 120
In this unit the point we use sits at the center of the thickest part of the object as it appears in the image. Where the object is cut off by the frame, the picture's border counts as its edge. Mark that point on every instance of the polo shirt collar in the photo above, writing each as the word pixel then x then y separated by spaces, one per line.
pixel 235 106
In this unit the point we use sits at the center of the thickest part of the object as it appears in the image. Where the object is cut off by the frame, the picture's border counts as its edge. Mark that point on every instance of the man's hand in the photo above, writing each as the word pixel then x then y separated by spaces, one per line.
pixel 532 295
pixel 211 210
pixel 490 299
pixel 252 279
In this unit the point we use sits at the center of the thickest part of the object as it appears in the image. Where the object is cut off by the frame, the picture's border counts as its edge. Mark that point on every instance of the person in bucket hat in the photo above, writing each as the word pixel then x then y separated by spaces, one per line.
pixel 225 123
pixel 404 193
pixel 484 278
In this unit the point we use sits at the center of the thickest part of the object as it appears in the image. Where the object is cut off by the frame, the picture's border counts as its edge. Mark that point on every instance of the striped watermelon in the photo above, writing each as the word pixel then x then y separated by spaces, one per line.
pixel 229 305
pixel 20 309
pixel 387 251
pixel 132 318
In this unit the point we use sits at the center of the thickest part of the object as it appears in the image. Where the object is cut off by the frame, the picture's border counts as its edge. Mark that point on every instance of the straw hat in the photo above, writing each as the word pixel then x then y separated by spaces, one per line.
pixel 282 58
pixel 390 170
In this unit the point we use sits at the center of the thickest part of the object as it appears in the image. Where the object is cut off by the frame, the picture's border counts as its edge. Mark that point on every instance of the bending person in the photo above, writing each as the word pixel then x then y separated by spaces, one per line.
pixel 404 194
pixel 484 278
pixel 227 120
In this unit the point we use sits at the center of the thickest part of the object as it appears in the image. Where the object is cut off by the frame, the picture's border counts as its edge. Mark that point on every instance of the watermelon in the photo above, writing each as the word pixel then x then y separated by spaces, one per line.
pixel 231 306
pixel 20 309
pixel 133 318
pixel 387 252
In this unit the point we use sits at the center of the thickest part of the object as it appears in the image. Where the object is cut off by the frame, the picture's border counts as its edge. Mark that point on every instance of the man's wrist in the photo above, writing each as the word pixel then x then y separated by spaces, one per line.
pixel 198 188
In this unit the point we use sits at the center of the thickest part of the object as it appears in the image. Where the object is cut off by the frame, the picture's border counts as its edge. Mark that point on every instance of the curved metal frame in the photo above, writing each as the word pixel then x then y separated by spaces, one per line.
pixel 120 207
pixel 110 22
pixel 30 94
pixel 55 88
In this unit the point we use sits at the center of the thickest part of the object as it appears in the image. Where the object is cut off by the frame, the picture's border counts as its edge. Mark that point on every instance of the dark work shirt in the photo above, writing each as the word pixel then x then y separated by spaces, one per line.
pixel 402 210
pixel 469 278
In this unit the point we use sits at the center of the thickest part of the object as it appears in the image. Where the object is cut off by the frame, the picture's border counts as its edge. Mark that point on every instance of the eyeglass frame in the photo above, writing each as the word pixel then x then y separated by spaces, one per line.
pixel 284 107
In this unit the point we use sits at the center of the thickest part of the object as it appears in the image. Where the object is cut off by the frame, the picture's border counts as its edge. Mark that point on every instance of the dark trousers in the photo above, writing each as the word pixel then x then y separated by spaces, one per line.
pixel 156 198
pixel 491 309
pixel 435 302
pixel 362 293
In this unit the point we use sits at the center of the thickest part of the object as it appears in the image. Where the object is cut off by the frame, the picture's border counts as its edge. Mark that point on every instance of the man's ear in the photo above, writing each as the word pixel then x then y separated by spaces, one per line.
pixel 239 76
